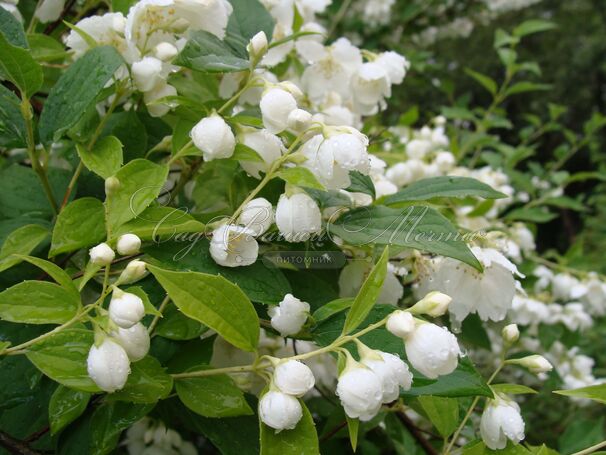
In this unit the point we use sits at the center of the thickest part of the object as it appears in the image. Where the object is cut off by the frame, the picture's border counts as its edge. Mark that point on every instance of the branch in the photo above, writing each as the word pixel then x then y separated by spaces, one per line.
pixel 414 431
pixel 16 446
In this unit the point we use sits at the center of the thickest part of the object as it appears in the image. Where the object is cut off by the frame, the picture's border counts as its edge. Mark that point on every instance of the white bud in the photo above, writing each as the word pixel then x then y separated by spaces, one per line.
pixel 134 340
pixel 165 51
pixel 125 309
pixel 147 73
pixel 289 316
pixel 501 420
pixel 214 137
pixel 108 365
pixel 400 323
pixel 257 47
pixel 134 271
pixel 294 378
pixel 112 184
pixel 102 254
pixel 128 244
pixel 280 411
pixel 392 372
pixel 299 120
pixel 267 145
pixel 276 105
pixel 510 333
pixel 360 391
pixel 291 88
pixel 433 304
pixel 432 350
pixel 257 215
pixel 535 363
pixel 298 217
pixel 234 246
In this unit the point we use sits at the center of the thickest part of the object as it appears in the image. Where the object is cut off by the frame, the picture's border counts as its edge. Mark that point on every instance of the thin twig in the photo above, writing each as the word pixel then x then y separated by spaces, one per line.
pixel 414 431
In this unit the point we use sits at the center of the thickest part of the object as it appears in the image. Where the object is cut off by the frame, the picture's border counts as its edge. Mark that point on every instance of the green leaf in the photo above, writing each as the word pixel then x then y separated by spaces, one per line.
pixel 12 125
pixel 485 81
pixel 245 153
pixel 533 214
pixel 140 183
pixel 105 159
pixel 512 389
pixel 443 186
pixel 331 308
pixel 80 224
pixel 12 29
pixel 65 406
pixel 248 18
pixel 206 53
pixel 56 273
pixel 21 241
pixel 353 427
pixel 302 440
pixel 533 26
pixel 212 396
pixel 593 392
pixel 361 183
pixel 442 412
pixel 300 176
pixel 215 302
pixel 368 294
pixel 45 48
pixel 62 357
pixel 148 382
pixel 526 86
pixel 156 222
pixel 149 307
pixel 76 91
pixel 18 66
pixel 174 325
pixel 418 227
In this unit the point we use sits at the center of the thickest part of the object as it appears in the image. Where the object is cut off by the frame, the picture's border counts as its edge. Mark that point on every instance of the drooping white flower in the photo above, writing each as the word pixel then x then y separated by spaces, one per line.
pixel 49 10
pixel 128 244
pixel 162 90
pixel 165 51
pixel 390 369
pixel 267 145
pixel 360 390
pixel 298 217
pixel 214 137
pixel 349 150
pixel 134 340
pixel 280 411
pixel 432 350
pixel 134 271
pixel 299 120
pixel 276 105
pixel 310 47
pixel 125 308
pixel 400 323
pixel 394 64
pixel 289 316
pixel 370 85
pixel 595 297
pixel 108 365
pixel 234 246
pixel 102 254
pixel 353 275
pixel 293 377
pixel 501 421
pixel 257 215
pixel 107 29
pixel 567 287
pixel 147 73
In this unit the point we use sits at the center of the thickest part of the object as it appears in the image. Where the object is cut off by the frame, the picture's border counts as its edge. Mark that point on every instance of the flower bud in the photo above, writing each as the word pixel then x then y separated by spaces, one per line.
pixel 400 323
pixel 297 217
pixel 165 51
pixel 128 244
pixel 289 316
pixel 112 184
pixel 280 411
pixel 434 304
pixel 276 105
pixel 432 350
pixel 390 369
pixel 134 271
pixel 146 73
pixel 257 215
pixel 267 145
pixel 125 309
pixel 294 378
pixel 233 246
pixel 299 120
pixel 501 420
pixel 535 363
pixel 108 365
pixel 360 391
pixel 214 137
pixel 257 47
pixel 101 254
pixel 510 333
pixel 135 341
pixel 291 88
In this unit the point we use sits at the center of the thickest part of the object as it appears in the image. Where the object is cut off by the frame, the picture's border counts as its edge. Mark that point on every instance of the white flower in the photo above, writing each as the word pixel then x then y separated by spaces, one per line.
pixel 321 162
pixel 257 47
pixel 289 316
pixel 147 73
pixel 353 275
pixel 165 51
pixel 134 271
pixel 102 254
pixel 108 365
pixel 310 47
pixel 370 86
pixel 280 411
pixel 535 363
pixel 297 217
pixel 107 29
pixel 510 333
pixel 49 10
pixel 595 297
pixel 501 420
pixel 433 304
pixel 349 150
pixel 214 137
pixel 432 350
pixel 233 246
pixel 267 145
pixel 294 378
pixel 128 244
pixel 276 105
pixel 125 309
pixel 360 391
pixel 162 90
pixel 394 64
pixel 257 215
pixel 400 323
pixel 134 340
pixel 391 370
pixel 566 287
pixel 444 161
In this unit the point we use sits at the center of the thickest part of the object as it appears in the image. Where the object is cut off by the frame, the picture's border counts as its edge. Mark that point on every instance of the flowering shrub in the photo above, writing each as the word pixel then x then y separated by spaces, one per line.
pixel 211 242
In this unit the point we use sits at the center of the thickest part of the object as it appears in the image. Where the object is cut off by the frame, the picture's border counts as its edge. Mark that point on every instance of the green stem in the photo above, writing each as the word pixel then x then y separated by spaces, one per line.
pixel 157 317
pixel 591 449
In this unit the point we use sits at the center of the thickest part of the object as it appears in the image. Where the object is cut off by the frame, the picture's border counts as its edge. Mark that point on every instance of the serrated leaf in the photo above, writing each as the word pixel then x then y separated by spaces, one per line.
pixel 12 125
pixel 105 159
pixel 361 183
pixel 80 224
pixel 12 29
pixel 18 66
pixel 248 18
